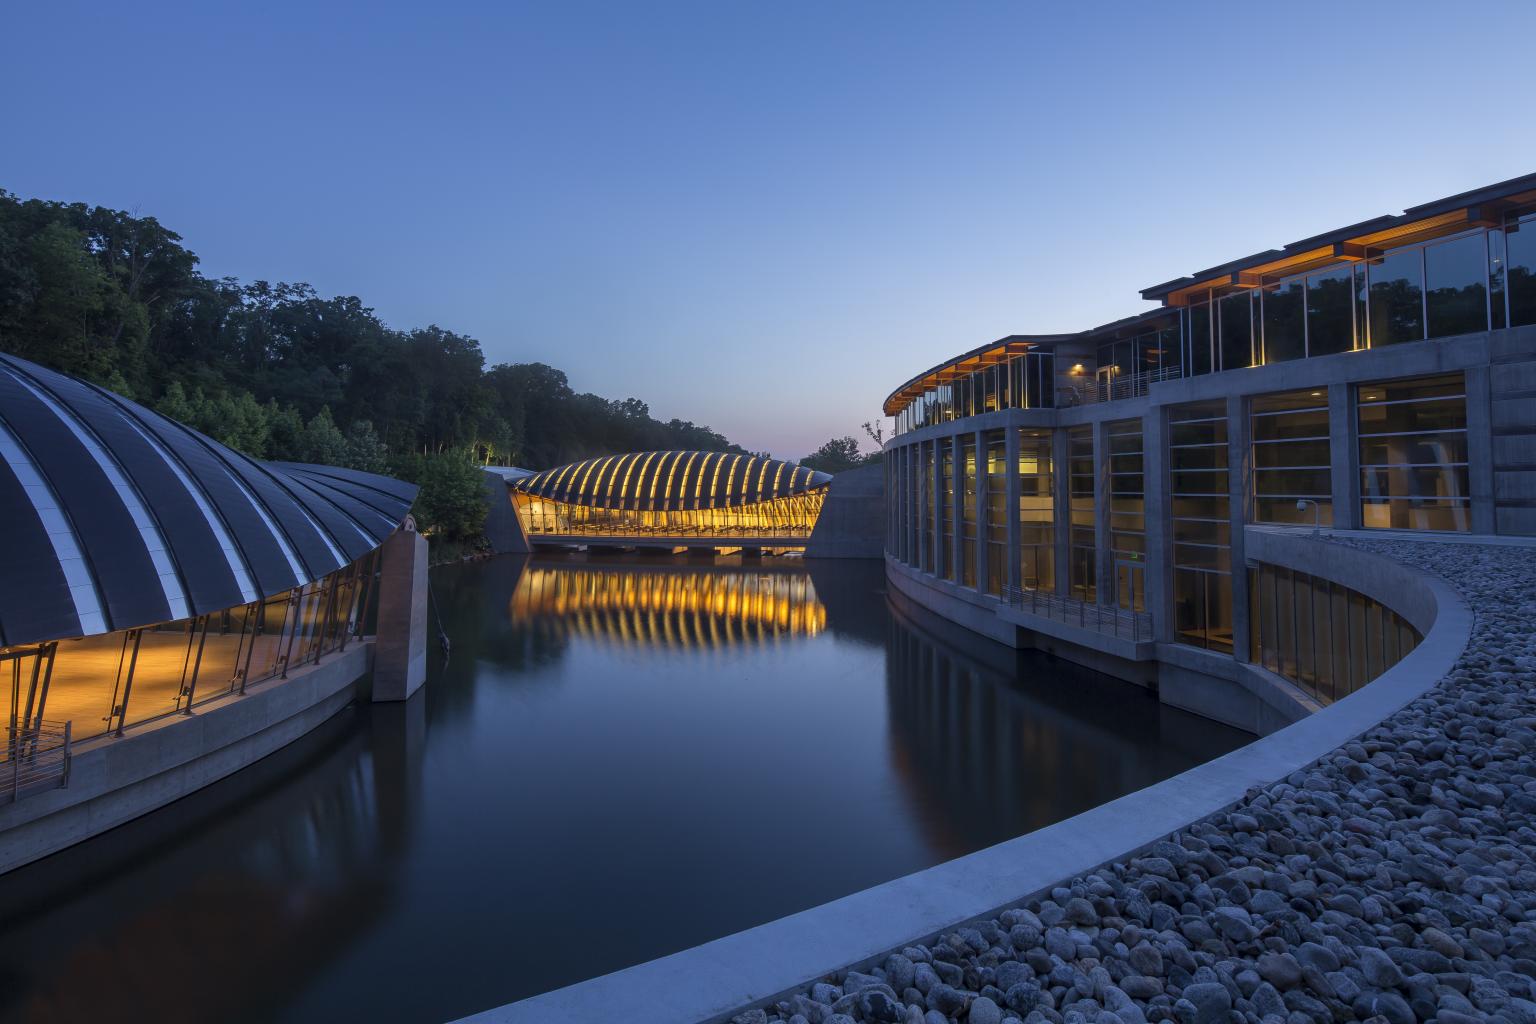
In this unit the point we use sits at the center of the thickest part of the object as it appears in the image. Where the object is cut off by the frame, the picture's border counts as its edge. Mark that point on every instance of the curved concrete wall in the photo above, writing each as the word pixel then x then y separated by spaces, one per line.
pixel 710 982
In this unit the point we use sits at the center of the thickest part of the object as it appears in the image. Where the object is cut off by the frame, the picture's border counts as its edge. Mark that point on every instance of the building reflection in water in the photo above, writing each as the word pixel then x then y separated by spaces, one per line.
pixel 992 743
pixel 224 904
pixel 578 760
pixel 668 606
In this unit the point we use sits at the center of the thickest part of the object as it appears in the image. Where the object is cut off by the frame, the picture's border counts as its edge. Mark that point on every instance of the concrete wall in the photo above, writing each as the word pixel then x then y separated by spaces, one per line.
pixel 114 780
pixel 852 522
pixel 502 528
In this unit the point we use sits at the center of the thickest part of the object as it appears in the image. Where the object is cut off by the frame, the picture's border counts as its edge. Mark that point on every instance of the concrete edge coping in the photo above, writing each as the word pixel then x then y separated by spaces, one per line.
pixel 710 982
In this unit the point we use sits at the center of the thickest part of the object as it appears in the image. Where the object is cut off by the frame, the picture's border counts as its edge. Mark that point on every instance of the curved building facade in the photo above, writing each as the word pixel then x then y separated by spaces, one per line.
pixel 1103 488
pixel 669 496
pixel 148 569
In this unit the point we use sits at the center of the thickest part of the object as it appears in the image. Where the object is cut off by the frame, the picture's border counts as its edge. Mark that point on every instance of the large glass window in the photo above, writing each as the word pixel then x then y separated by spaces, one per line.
pixel 1127 514
pixel 1520 269
pixel 1198 338
pixel 1236 330
pixel 1285 320
pixel 1291 458
pixel 1413 455
pixel 1456 285
pixel 1331 311
pixel 1037 512
pixel 1327 639
pixel 1201 525
pixel 1396 299
pixel 1083 538
pixel 996 503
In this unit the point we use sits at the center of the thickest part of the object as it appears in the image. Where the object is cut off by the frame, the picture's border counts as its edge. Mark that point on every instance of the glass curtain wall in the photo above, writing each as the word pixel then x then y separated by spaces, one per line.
pixel 1291 458
pixel 1324 637
pixel 106 683
pixel 1026 381
pixel 1127 514
pixel 1413 455
pixel 1201 525
pixel 968 486
pixel 1037 511
pixel 1519 265
pixel 1083 574
pixel 790 516
pixel 996 502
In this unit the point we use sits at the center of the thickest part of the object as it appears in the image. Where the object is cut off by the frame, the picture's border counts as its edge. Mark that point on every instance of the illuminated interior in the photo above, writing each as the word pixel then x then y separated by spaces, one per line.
pixel 672 608
pixel 679 495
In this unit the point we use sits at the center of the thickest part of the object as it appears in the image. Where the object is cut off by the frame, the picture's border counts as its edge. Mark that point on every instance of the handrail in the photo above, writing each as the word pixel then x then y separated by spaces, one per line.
pixel 1101 618
pixel 1130 385
pixel 38 757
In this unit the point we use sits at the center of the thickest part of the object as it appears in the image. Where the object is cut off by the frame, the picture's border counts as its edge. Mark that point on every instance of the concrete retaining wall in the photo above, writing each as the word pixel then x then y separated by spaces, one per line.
pixel 115 780
pixel 852 521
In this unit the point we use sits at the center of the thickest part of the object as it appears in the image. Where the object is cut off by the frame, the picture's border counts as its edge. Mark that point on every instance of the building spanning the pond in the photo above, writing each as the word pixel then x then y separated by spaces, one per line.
pixel 155 578
pixel 671 499
pixel 1130 488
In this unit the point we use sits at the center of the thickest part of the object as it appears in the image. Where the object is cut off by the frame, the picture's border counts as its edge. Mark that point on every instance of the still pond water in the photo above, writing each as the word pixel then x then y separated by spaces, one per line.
pixel 620 759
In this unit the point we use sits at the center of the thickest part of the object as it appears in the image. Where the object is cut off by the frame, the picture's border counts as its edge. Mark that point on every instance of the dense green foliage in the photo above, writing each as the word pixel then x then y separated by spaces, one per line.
pixel 842 453
pixel 279 372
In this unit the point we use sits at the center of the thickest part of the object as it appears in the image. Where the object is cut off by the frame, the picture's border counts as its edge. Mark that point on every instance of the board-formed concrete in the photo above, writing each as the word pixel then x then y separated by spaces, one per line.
pixel 401 664
pixel 852 520
pixel 756 967
pixel 113 780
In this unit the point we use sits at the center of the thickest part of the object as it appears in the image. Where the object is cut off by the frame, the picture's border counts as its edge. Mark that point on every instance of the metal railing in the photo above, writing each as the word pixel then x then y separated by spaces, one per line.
pixel 1130 385
pixel 1101 618
pixel 35 758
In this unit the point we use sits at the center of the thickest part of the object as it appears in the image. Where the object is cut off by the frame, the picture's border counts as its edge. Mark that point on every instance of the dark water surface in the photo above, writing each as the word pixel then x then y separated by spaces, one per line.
pixel 621 759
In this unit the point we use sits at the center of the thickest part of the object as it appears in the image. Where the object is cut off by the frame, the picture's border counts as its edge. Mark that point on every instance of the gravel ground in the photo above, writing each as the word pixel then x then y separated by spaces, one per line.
pixel 1392 880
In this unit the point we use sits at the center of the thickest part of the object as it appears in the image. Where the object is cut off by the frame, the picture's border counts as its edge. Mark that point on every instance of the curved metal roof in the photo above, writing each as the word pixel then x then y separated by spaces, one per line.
pixel 116 517
pixel 671 481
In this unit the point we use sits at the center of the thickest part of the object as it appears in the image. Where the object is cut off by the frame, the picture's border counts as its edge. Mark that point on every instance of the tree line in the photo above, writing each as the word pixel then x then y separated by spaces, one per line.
pixel 280 372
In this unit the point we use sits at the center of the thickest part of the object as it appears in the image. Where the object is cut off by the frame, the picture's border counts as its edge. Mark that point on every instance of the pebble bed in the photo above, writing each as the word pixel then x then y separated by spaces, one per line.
pixel 1393 880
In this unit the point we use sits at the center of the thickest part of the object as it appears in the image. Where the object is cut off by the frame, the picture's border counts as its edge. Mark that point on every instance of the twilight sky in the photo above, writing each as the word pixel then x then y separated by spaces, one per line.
pixel 759 216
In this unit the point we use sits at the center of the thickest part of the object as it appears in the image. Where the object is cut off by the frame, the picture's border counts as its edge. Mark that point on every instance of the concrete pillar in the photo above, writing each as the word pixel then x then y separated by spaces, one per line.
pixel 1154 445
pixel 1011 509
pixel 400 658
pixel 1480 447
pixel 1345 457
pixel 1061 499
pixel 1239 480
pixel 936 538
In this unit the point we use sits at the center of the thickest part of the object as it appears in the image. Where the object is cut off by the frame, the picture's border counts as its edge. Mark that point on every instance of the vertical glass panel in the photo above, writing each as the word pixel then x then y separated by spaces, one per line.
pixel 996 507
pixel 1037 511
pixel 968 470
pixel 1413 455
pixel 1236 331
pixel 1201 523
pixel 1520 269
pixel 1291 458
pixel 1330 311
pixel 1285 321
pixel 1456 286
pixel 1198 342
pixel 1496 263
pixel 1083 536
pixel 1396 301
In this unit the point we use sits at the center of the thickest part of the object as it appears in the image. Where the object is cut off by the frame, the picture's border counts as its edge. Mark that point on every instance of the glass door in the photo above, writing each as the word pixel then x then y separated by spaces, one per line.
pixel 1131 586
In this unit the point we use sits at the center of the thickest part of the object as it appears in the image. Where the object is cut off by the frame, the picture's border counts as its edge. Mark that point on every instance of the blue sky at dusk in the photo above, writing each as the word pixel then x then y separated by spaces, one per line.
pixel 757 216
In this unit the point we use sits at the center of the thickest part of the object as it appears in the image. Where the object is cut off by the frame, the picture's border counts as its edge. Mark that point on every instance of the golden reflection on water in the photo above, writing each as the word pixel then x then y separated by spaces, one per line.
pixel 679 608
